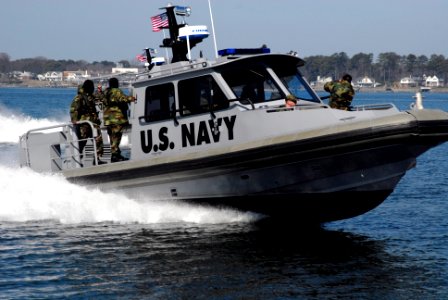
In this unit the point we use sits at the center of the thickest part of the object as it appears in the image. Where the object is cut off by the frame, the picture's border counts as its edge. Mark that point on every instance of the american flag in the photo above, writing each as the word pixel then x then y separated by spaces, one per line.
pixel 159 21
pixel 141 57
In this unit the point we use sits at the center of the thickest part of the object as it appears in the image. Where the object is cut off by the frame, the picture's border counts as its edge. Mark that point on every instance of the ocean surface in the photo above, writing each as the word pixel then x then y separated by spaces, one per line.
pixel 62 241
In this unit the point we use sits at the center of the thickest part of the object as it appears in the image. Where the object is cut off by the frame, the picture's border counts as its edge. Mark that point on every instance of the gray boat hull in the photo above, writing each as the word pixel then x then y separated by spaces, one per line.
pixel 321 179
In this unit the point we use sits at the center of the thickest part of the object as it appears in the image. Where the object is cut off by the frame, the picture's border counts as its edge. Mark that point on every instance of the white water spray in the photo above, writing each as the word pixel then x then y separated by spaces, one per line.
pixel 29 196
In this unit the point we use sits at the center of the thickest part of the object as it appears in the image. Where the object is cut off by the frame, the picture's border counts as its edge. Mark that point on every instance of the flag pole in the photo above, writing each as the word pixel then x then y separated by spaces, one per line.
pixel 166 50
pixel 188 45
pixel 213 29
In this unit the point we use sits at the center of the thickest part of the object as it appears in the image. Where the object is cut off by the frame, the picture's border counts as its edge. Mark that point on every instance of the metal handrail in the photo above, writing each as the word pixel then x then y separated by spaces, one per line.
pixel 372 107
pixel 64 128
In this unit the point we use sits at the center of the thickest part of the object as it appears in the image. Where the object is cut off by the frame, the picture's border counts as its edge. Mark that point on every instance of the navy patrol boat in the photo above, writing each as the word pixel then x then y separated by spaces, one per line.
pixel 217 132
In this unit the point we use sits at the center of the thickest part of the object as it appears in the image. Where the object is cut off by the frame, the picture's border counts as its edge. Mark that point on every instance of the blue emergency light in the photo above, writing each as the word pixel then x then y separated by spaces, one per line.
pixel 243 51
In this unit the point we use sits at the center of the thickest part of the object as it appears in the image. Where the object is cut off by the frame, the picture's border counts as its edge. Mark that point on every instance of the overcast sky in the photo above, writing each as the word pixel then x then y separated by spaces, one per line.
pixel 96 30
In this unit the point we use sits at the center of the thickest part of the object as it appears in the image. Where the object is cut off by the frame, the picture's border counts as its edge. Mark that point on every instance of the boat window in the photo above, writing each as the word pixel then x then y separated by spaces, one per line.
pixel 200 95
pixel 253 83
pixel 159 102
pixel 295 83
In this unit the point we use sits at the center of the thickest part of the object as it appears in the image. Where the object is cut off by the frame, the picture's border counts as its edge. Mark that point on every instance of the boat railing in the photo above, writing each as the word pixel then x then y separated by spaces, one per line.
pixel 384 106
pixel 57 148
pixel 170 69
pixel 275 107
pixel 243 101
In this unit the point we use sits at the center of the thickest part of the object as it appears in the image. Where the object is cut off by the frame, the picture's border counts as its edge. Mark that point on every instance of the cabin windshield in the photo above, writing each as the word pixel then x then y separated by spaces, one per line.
pixel 159 102
pixel 253 83
pixel 199 95
pixel 295 83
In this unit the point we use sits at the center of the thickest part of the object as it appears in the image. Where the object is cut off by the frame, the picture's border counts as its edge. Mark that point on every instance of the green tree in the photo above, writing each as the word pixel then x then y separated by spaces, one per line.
pixel 5 63
pixel 411 63
pixel 436 64
pixel 318 65
pixel 339 63
pixel 125 63
pixel 389 62
pixel 361 64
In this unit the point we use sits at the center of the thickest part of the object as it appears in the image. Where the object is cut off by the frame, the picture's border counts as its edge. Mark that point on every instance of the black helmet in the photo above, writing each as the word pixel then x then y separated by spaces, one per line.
pixel 88 86
pixel 347 77
pixel 113 83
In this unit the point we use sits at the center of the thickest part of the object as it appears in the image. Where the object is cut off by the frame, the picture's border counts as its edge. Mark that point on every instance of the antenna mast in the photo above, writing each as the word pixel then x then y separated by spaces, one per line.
pixel 213 29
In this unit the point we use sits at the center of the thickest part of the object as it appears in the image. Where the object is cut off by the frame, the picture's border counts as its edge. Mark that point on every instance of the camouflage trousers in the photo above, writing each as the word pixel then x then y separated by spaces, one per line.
pixel 340 104
pixel 115 133
pixel 84 132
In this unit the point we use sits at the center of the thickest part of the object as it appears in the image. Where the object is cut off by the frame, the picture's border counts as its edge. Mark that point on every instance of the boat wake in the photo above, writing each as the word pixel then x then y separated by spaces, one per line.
pixel 13 124
pixel 31 196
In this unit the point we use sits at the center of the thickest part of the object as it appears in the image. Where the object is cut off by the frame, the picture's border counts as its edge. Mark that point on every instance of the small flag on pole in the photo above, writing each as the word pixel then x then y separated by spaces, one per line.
pixel 159 21
pixel 141 57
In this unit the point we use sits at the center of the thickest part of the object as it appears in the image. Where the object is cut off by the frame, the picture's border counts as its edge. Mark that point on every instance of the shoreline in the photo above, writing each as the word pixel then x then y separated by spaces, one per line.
pixel 393 90
pixel 47 84
pixel 39 84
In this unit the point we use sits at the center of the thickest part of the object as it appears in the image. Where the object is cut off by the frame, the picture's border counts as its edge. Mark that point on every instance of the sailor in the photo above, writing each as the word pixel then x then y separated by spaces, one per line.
pixel 115 116
pixel 83 108
pixel 290 101
pixel 341 92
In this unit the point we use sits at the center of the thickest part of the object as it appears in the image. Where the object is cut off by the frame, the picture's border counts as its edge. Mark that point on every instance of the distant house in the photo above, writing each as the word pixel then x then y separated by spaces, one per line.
pixel 76 76
pixel 51 76
pixel 366 82
pixel 408 82
pixel 124 70
pixel 23 75
pixel 321 81
pixel 432 81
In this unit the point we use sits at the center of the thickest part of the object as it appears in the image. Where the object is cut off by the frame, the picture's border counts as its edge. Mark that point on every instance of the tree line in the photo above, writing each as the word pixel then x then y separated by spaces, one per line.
pixel 388 68
pixel 41 65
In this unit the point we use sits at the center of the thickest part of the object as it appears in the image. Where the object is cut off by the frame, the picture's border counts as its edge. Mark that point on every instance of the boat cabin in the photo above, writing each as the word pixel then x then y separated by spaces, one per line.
pixel 192 95
pixel 202 86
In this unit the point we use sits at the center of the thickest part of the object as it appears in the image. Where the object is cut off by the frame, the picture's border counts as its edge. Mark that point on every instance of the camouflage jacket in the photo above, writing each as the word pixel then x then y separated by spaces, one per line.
pixel 83 108
pixel 341 93
pixel 115 106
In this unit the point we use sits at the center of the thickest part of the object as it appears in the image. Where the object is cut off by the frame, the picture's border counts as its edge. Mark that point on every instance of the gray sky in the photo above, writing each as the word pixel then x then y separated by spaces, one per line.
pixel 96 30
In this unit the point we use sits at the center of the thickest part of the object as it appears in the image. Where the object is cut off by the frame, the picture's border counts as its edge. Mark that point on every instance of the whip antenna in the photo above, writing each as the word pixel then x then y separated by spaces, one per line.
pixel 213 29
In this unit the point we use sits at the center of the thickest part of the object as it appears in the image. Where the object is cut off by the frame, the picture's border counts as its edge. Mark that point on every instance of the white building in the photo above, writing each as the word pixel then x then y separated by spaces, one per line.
pixel 366 82
pixel 124 70
pixel 51 76
pixel 408 82
pixel 76 76
pixel 321 81
pixel 431 81
pixel 22 75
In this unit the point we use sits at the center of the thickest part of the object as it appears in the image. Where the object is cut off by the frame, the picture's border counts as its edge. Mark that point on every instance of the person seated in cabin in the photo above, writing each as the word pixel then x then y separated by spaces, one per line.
pixel 115 116
pixel 249 92
pixel 341 92
pixel 290 101
pixel 83 108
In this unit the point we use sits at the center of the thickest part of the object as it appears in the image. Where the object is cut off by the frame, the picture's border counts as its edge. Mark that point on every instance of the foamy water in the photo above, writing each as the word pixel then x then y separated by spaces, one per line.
pixel 27 195
pixel 14 124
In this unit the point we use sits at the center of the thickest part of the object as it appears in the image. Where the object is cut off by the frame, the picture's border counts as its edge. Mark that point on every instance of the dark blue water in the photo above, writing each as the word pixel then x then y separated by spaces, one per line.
pixel 61 241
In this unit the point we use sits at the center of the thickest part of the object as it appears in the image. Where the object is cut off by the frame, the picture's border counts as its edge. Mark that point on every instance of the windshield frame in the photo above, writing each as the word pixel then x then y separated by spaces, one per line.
pixel 302 89
pixel 277 67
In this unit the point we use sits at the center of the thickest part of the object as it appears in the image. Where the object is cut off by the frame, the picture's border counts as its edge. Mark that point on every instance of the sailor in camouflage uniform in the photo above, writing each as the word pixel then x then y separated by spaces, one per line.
pixel 341 92
pixel 83 108
pixel 115 116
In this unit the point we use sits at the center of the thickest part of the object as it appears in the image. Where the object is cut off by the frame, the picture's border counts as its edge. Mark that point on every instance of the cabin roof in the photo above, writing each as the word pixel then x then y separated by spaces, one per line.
pixel 170 72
